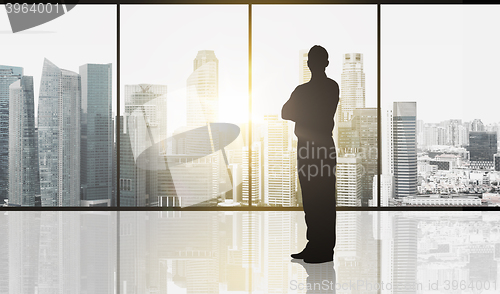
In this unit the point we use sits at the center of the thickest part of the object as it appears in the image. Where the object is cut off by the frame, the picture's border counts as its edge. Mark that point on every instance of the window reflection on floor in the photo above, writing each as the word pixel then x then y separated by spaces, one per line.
pixel 246 252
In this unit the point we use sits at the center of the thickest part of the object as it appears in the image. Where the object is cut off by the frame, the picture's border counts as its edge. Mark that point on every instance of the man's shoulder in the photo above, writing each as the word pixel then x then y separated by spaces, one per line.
pixel 306 86
pixel 333 83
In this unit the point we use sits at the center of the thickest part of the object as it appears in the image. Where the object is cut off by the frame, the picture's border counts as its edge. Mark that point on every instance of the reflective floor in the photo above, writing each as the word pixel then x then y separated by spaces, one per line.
pixel 246 252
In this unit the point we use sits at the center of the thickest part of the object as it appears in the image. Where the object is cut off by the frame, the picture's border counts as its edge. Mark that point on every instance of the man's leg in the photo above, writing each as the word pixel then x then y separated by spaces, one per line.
pixel 317 180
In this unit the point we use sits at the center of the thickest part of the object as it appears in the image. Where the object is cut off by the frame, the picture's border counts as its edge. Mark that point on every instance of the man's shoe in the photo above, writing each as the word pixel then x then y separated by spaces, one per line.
pixel 300 255
pixel 318 259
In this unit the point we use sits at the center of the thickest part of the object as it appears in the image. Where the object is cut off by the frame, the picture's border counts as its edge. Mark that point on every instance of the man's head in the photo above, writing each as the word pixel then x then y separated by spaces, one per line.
pixel 317 59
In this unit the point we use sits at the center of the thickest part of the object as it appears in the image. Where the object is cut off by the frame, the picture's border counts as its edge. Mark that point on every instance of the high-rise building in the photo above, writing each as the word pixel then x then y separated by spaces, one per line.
pixel 59 136
pixel 96 133
pixel 257 176
pixel 202 110
pixel 352 86
pixel 405 149
pixel 203 90
pixel 365 123
pixel 279 163
pixel 304 71
pixel 482 147
pixel 24 180
pixel 349 173
pixel 146 119
pixel 8 75
pixel 132 182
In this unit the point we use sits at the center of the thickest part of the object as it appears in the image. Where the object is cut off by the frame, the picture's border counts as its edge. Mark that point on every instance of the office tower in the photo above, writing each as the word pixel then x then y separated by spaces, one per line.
pixel 132 182
pixel 365 123
pixel 257 176
pixel 482 147
pixel 349 173
pixel 146 119
pixel 352 86
pixel 24 181
pixel 96 134
pixel 388 166
pixel 496 162
pixel 405 149
pixel 203 90
pixel 348 138
pixel 8 75
pixel 59 136
pixel 304 71
pixel 279 163
pixel 203 109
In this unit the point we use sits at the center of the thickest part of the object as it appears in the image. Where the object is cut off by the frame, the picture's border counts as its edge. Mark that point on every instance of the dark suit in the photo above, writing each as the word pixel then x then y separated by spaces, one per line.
pixel 312 107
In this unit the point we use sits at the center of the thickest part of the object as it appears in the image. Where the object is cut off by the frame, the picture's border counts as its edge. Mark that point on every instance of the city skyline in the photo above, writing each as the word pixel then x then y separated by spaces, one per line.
pixel 93 43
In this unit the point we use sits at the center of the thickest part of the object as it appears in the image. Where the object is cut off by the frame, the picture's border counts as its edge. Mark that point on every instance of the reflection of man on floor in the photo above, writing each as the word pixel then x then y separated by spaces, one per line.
pixel 312 107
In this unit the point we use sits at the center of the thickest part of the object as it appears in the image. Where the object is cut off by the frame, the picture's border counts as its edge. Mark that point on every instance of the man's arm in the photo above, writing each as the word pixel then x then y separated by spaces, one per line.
pixel 290 109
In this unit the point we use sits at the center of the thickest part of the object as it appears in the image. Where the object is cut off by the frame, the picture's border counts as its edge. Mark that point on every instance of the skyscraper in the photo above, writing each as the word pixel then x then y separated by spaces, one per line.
pixel 257 176
pixel 132 179
pixel 357 130
pixel 349 173
pixel 8 75
pixel 304 71
pixel 405 149
pixel 352 86
pixel 365 123
pixel 96 133
pixel 59 136
pixel 482 148
pixel 24 181
pixel 203 90
pixel 146 119
pixel 279 163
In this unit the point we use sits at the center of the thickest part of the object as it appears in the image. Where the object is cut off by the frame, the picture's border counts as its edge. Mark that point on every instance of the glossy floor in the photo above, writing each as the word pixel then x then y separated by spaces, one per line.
pixel 246 252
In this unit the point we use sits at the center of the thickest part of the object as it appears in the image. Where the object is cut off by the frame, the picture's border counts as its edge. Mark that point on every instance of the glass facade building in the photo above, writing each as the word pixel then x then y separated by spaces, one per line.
pixel 23 173
pixel 8 75
pixel 59 136
pixel 405 149
pixel 96 134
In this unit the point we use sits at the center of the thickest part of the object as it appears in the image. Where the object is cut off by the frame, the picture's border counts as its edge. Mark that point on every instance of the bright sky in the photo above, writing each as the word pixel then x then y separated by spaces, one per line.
pixel 444 57
pixel 86 34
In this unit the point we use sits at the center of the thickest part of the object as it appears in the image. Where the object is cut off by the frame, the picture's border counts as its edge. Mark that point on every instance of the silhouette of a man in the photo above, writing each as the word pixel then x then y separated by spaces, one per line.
pixel 312 107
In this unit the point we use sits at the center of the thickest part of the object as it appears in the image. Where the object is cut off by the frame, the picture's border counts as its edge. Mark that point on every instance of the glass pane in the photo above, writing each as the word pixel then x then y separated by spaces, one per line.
pixel 57 102
pixel 282 36
pixel 184 104
pixel 440 136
